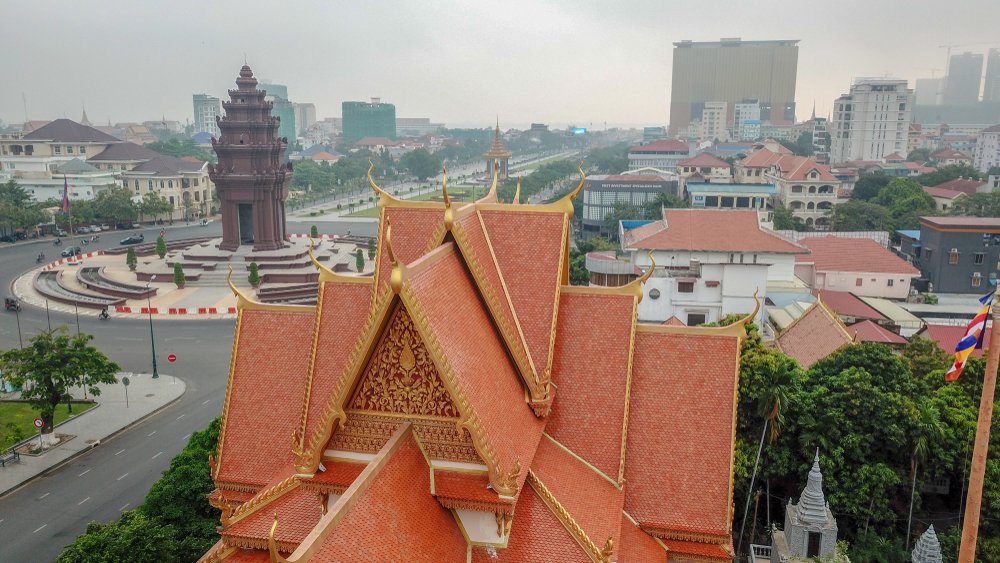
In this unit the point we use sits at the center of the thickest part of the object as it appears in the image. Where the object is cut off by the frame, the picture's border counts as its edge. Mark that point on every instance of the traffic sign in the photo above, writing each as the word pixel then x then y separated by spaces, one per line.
pixel 171 358
pixel 39 423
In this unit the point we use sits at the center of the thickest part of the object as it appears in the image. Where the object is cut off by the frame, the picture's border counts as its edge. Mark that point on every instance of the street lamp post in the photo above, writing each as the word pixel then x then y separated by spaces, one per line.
pixel 17 314
pixel 152 343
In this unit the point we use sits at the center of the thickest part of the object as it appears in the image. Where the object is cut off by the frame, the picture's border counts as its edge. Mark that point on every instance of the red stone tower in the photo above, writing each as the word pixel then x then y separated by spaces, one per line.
pixel 251 177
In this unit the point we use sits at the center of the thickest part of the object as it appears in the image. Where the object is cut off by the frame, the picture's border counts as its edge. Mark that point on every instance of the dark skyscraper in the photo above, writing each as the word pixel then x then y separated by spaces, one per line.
pixel 363 119
pixel 965 73
pixel 732 70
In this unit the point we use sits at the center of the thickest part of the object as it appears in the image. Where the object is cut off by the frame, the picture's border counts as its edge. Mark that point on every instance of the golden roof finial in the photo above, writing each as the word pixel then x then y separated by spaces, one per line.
pixel 241 300
pixel 272 546
pixel 756 309
pixel 396 277
pixel 383 195
pixel 491 195
pixel 517 192
pixel 609 549
pixel 444 185
pixel 636 284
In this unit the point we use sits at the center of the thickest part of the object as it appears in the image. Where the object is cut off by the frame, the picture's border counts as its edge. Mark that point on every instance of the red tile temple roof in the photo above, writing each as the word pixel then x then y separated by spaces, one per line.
pixel 463 403
pixel 709 230
pixel 814 336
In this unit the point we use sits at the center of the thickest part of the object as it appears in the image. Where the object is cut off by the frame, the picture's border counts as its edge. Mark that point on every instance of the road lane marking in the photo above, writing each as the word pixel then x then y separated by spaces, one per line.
pixel 120 451
pixel 207 401
pixel 39 498
pixel 122 477
pixel 151 433
pixel 122 509
pixel 83 501
pixel 84 473
pixel 186 436
pixel 158 454
pixel 39 529
pixel 180 417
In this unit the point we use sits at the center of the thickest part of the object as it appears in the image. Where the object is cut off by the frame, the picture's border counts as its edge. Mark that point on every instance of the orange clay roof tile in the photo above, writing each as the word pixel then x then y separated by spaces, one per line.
pixel 837 254
pixel 414 232
pixel 681 417
pixel 710 551
pixel 249 556
pixel 269 369
pixel 298 512
pixel 528 247
pixel 342 318
pixel 337 474
pixel 589 409
pixel 396 518
pixel 637 546
pixel 458 322
pixel 813 336
pixel 463 486
pixel 536 536
pixel 710 230
pixel 594 503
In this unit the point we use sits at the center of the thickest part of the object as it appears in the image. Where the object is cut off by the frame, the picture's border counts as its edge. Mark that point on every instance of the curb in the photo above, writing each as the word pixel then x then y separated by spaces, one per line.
pixel 59 465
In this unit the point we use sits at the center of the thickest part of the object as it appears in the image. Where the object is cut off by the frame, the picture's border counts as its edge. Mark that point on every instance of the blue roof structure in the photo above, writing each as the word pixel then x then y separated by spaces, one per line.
pixel 912 234
pixel 630 224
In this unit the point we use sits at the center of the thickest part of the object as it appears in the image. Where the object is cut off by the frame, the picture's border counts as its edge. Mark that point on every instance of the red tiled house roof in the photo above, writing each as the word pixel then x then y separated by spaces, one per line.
pixel 709 230
pixel 837 254
pixel 704 159
pixel 422 401
pixel 868 331
pixel 964 185
pixel 814 336
pixel 947 337
pixel 662 145
pixel 847 304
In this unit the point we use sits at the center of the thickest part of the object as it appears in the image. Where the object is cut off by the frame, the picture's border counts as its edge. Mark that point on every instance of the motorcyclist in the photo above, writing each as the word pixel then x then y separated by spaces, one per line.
pixel 40 258
pixel 104 314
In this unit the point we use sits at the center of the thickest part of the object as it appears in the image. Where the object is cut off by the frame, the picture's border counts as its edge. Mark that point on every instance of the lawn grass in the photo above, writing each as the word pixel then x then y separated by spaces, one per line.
pixel 23 416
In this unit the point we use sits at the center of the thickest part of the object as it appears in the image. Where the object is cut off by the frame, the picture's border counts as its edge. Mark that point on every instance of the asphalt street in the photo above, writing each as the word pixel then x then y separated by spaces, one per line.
pixel 40 518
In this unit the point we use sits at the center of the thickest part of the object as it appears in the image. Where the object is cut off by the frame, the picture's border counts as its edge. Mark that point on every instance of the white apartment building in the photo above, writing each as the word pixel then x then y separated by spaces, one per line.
pixel 713 121
pixel 746 120
pixel 663 154
pixel 987 153
pixel 206 109
pixel 872 120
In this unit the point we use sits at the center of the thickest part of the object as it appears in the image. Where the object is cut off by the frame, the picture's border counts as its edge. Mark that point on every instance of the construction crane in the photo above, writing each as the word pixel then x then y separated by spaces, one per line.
pixel 949 46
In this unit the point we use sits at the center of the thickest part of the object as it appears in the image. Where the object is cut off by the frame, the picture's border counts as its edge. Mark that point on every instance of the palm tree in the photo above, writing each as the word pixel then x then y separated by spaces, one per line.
pixel 929 432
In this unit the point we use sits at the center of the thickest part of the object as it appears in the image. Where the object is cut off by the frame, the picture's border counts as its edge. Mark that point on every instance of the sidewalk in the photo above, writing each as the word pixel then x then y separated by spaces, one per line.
pixel 145 396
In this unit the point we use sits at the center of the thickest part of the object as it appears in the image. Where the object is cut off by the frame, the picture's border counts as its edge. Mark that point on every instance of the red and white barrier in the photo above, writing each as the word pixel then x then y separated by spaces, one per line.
pixel 304 235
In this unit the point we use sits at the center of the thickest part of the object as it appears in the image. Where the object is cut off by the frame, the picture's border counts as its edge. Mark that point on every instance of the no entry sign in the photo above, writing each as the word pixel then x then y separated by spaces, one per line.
pixel 171 358
pixel 39 423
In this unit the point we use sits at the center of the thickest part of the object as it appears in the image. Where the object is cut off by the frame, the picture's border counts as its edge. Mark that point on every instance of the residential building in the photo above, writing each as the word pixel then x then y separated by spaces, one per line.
pixel 284 110
pixel 135 133
pixel 873 120
pixel 944 199
pixel 664 154
pixel 601 193
pixel 305 117
pixel 859 265
pixel 366 455
pixel 84 180
pixel 650 134
pixel 965 74
pixel 821 140
pixel 206 110
pixel 732 70
pixel 987 152
pixel 948 336
pixel 807 188
pixel 709 263
pixel 928 91
pixel 416 126
pixel 746 120
pixel 958 254
pixel 965 185
pixel 991 86
pixel 713 121
pixel 759 197
pixel 368 119
pixel 704 168
pixel 949 155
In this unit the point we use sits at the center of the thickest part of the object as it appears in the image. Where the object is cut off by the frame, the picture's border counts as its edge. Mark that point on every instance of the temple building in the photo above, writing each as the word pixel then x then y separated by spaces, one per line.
pixel 498 156
pixel 252 176
pixel 927 550
pixel 461 404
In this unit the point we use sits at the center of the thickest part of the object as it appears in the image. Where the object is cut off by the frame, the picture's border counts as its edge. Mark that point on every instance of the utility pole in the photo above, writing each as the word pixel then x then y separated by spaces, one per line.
pixel 973 502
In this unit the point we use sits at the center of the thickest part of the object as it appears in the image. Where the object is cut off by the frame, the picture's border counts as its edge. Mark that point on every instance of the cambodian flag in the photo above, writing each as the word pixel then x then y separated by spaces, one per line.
pixel 972 340
pixel 65 205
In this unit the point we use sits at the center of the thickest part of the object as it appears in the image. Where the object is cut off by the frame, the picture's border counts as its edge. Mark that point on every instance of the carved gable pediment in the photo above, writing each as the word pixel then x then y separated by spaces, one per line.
pixel 400 377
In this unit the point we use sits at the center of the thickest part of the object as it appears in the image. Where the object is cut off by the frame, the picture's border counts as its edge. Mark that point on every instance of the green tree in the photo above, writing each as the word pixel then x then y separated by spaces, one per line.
pixel 578 274
pixel 115 204
pixel 313 176
pixel 13 194
pixel 925 356
pixel 155 205
pixel 133 538
pixel 181 147
pixel 51 365
pixel 421 163
pixel 610 160
pixel 371 249
pixel 161 246
pixel 784 220
pixel 949 172
pixel 919 155
pixel 906 202
pixel 977 205
pixel 869 185
pixel 314 232
pixel 130 258
pixel 179 278
pixel 254 277
pixel 860 216
pixel 359 260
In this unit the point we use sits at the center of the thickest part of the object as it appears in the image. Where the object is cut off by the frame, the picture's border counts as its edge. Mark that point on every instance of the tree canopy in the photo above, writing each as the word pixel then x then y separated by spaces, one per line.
pixel 181 147
pixel 421 163
pixel 115 203
pixel 949 172
pixel 860 216
pixel 869 185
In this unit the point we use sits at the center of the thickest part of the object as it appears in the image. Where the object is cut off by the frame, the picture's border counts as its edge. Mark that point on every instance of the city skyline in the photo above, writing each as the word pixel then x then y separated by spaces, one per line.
pixel 555 62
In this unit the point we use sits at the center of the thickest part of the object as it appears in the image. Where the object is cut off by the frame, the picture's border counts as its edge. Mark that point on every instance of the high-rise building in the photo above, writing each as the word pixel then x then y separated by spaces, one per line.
pixel 206 109
pixel 872 121
pixel 305 116
pixel 368 119
pixel 965 73
pixel 730 71
pixel 821 140
pixel 746 120
pixel 928 91
pixel 713 120
pixel 991 89
pixel 281 108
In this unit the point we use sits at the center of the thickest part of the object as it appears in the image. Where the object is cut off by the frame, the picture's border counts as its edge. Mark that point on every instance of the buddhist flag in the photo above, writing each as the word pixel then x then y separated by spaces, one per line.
pixel 65 203
pixel 972 340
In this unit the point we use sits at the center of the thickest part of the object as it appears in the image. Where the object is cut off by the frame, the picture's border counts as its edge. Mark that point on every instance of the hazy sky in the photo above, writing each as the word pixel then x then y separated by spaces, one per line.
pixel 557 62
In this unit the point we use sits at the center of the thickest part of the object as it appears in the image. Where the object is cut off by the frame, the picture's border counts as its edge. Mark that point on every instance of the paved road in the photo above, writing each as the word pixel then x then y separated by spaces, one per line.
pixel 39 519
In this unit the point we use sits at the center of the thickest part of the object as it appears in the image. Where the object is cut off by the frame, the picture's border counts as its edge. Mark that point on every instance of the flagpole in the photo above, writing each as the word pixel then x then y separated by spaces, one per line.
pixel 974 500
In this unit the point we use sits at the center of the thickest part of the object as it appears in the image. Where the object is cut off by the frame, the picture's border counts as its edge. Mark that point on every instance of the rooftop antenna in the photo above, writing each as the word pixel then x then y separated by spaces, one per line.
pixel 24 100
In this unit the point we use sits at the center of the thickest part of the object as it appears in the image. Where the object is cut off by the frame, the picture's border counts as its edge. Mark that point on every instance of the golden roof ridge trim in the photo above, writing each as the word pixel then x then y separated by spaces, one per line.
pixel 628 393
pixel 310 458
pixel 468 418
pixel 265 497
pixel 216 464
pixel 561 205
pixel 326 274
pixel 245 303
pixel 331 519
pixel 217 553
pixel 566 519
pixel 298 439
pixel 386 199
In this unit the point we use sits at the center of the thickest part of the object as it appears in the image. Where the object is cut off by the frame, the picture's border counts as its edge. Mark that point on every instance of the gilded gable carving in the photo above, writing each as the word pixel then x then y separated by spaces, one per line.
pixel 401 377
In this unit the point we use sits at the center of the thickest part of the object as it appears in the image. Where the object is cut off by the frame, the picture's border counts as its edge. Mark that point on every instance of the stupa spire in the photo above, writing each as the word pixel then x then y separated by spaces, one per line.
pixel 812 504
pixel 927 550
pixel 83 119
